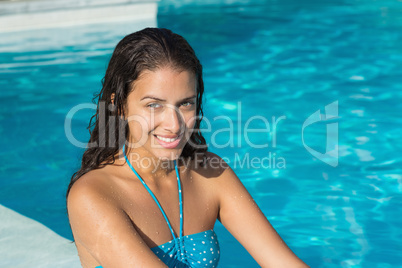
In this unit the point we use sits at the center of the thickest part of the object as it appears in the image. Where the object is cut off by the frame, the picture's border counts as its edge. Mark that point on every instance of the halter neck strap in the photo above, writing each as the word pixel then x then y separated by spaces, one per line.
pixel 156 200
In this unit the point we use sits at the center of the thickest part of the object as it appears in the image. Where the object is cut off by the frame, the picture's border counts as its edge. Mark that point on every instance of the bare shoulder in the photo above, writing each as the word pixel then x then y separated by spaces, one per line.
pixel 103 231
pixel 90 191
pixel 91 183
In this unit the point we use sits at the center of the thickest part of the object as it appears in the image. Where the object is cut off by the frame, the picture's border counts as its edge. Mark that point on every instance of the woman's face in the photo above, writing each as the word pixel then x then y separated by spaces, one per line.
pixel 161 112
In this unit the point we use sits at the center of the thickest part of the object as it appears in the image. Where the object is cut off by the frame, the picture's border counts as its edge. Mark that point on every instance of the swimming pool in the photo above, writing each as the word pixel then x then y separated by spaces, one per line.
pixel 281 59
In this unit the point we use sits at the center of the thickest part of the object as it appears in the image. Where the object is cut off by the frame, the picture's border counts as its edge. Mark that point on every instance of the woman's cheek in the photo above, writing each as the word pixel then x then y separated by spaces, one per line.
pixel 190 120
pixel 139 127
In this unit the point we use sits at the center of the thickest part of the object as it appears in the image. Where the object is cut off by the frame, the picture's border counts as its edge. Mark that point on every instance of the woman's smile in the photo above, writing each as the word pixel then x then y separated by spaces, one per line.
pixel 168 142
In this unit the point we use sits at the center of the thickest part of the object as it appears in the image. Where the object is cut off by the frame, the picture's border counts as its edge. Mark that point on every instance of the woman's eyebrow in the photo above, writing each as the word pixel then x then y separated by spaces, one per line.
pixel 161 100
pixel 192 97
pixel 152 97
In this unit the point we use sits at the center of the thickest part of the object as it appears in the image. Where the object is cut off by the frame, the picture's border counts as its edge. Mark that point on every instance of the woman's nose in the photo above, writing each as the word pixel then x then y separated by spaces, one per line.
pixel 172 120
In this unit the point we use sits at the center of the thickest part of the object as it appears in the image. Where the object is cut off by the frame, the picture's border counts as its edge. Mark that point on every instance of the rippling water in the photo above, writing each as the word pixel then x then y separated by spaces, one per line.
pixel 285 58
pixel 275 60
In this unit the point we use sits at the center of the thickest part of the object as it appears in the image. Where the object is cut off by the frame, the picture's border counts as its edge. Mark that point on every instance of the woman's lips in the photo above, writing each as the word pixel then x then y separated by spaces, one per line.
pixel 168 143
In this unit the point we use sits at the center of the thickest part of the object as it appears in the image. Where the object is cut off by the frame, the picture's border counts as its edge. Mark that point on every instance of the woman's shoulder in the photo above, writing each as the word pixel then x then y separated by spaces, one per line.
pixel 92 187
pixel 92 180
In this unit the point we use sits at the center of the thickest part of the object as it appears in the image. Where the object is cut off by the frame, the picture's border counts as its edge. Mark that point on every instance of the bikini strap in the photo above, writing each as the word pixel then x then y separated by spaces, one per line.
pixel 180 198
pixel 156 200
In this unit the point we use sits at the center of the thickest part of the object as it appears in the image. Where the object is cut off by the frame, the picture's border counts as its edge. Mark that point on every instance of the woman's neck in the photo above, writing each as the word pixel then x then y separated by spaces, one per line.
pixel 148 165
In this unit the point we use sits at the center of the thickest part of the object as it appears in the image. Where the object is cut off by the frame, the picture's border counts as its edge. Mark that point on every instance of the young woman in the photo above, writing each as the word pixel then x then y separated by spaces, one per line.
pixel 148 193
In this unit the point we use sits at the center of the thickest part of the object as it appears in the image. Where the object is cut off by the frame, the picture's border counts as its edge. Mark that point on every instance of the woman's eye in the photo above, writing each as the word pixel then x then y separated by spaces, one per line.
pixel 154 105
pixel 187 104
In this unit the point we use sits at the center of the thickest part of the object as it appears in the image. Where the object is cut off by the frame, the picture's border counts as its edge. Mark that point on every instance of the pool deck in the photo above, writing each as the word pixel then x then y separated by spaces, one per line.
pixel 39 14
pixel 27 243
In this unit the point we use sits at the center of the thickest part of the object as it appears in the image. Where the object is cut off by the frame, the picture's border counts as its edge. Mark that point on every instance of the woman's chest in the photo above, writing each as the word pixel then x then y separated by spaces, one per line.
pixel 158 211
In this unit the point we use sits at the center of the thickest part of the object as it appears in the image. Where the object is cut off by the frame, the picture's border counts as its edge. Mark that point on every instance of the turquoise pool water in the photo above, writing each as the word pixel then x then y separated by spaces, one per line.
pixel 281 59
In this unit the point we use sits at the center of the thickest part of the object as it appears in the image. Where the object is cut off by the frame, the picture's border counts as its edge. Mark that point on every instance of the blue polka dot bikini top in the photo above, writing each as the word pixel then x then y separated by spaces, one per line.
pixel 195 250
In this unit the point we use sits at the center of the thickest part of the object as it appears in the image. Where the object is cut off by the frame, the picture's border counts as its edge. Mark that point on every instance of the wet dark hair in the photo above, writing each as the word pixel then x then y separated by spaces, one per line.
pixel 149 49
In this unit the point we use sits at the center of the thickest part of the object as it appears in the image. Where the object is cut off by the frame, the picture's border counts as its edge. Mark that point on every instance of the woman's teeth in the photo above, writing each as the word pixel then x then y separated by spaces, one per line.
pixel 167 139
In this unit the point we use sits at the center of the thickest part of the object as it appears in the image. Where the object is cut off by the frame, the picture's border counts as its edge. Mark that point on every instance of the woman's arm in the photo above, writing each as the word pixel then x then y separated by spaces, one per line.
pixel 245 221
pixel 105 231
